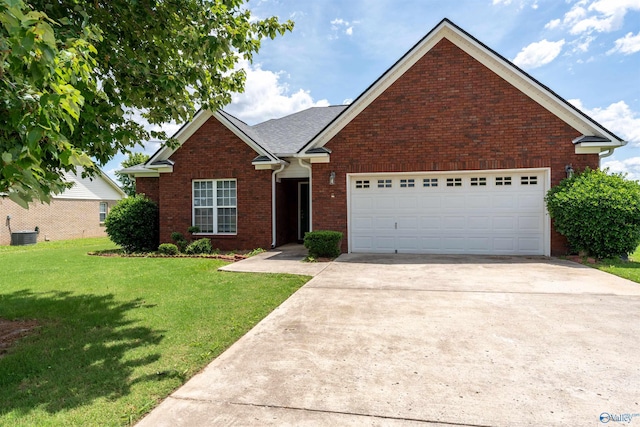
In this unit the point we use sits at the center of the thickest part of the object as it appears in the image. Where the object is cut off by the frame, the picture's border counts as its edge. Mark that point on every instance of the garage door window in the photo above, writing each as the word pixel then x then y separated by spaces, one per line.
pixel 528 180
pixel 503 180
pixel 478 182
pixel 430 182
pixel 407 183
pixel 362 184
pixel 384 183
pixel 454 182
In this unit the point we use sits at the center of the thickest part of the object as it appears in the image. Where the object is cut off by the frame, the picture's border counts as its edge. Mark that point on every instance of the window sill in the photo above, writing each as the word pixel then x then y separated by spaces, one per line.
pixel 213 235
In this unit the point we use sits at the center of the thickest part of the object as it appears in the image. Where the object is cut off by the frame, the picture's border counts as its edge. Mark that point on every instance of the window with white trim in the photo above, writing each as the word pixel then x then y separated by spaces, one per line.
pixel 384 183
pixel 430 182
pixel 215 206
pixel 528 180
pixel 104 209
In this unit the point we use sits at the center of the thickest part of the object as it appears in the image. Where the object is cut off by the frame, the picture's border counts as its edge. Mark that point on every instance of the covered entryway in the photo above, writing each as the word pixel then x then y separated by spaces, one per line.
pixel 471 212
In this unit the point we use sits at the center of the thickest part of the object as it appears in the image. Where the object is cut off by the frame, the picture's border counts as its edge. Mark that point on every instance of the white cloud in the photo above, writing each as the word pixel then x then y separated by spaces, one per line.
pixel 582 44
pixel 538 54
pixel 555 23
pixel 339 25
pixel 266 97
pixel 618 118
pixel 630 166
pixel 505 2
pixel 599 15
pixel 627 45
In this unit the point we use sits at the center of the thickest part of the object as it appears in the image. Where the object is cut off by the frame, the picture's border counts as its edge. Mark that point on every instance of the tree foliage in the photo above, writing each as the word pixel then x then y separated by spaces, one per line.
pixel 72 72
pixel 128 182
pixel 598 212
pixel 133 224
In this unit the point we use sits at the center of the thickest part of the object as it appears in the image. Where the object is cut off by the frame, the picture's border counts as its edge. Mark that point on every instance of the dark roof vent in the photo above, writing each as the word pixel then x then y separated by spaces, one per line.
pixel 261 159
pixel 590 138
pixel 319 150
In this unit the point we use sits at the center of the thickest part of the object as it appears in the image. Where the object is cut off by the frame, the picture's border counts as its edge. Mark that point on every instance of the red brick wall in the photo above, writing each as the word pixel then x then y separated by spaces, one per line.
pixel 214 152
pixel 148 186
pixel 61 219
pixel 448 112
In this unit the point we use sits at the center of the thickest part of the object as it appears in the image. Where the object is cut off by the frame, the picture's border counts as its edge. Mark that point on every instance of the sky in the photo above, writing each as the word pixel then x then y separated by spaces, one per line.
pixel 587 51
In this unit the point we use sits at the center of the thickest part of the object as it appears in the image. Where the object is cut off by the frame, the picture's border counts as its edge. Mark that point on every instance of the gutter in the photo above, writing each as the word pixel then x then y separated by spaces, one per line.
pixel 273 204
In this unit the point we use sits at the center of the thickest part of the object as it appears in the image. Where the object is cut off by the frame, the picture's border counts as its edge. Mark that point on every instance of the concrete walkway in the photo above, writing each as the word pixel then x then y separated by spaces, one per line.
pixel 431 341
pixel 284 259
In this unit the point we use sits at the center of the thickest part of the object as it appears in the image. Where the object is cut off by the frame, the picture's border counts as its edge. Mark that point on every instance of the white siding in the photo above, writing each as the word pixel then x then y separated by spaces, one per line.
pixel 294 170
pixel 97 188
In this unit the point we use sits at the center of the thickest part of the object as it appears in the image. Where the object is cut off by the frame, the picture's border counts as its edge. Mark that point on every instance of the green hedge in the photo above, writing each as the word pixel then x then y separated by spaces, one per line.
pixel 323 243
pixel 133 224
pixel 598 212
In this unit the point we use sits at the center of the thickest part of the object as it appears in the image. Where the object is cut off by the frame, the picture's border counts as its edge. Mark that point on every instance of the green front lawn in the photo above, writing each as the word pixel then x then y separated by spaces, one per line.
pixel 117 335
pixel 629 270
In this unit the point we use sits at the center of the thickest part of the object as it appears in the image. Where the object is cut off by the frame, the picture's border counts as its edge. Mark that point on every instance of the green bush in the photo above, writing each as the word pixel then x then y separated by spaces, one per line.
pixel 180 241
pixel 200 246
pixel 323 243
pixel 598 212
pixel 168 249
pixel 133 224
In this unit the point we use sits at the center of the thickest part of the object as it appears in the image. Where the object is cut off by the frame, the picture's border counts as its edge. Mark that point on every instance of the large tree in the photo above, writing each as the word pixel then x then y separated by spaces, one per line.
pixel 127 182
pixel 73 72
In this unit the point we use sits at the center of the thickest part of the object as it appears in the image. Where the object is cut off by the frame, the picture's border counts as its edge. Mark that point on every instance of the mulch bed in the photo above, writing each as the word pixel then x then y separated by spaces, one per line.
pixel 13 330
pixel 231 258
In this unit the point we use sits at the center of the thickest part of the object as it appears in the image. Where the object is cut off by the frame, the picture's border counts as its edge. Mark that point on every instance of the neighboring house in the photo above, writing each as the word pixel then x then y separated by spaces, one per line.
pixel 450 151
pixel 77 212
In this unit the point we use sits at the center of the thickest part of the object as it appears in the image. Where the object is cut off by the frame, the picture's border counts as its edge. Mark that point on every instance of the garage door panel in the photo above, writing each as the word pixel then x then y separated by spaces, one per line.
pixel 480 223
pixel 497 213
pixel 479 201
pixel 453 202
pixel 454 223
pixel 530 223
pixel 430 223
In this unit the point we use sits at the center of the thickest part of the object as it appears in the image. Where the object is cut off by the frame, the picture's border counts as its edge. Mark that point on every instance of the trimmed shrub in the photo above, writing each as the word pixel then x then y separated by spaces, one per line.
pixel 133 224
pixel 598 212
pixel 168 249
pixel 323 243
pixel 200 246
pixel 180 241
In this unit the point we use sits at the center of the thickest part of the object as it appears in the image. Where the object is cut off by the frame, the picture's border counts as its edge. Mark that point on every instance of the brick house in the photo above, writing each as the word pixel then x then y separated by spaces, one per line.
pixel 77 212
pixel 451 150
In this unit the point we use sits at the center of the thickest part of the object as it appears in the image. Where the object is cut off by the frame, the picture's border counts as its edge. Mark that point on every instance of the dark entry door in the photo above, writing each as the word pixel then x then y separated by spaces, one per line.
pixel 303 209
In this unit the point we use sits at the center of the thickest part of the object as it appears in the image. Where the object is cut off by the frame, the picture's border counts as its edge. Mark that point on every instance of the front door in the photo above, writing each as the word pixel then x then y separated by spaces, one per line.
pixel 303 209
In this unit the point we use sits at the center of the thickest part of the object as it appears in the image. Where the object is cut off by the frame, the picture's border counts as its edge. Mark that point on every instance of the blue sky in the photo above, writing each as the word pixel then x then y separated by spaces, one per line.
pixel 587 51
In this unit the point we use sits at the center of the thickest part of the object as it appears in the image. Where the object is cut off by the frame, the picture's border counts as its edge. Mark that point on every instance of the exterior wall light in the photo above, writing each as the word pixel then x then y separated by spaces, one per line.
pixel 569 170
pixel 332 178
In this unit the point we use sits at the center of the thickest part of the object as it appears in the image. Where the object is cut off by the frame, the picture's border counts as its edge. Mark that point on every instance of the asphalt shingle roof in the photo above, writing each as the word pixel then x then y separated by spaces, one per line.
pixel 288 134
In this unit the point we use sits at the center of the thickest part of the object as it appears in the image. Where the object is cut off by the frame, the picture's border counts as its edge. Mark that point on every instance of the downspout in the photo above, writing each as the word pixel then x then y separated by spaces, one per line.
pixel 308 167
pixel 606 153
pixel 273 204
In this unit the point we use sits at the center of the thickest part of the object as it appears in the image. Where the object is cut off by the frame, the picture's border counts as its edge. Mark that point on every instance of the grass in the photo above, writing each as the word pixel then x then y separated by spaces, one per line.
pixel 626 269
pixel 117 335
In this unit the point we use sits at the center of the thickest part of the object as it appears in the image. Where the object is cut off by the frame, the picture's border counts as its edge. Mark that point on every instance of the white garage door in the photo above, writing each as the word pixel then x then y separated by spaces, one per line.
pixel 489 212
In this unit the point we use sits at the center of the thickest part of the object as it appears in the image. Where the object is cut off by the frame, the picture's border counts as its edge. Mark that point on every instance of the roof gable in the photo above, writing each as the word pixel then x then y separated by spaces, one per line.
pixel 487 57
pixel 99 187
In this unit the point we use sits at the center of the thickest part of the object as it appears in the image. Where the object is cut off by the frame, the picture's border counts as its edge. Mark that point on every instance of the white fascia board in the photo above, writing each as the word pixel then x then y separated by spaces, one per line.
pixel 485 56
pixel 145 174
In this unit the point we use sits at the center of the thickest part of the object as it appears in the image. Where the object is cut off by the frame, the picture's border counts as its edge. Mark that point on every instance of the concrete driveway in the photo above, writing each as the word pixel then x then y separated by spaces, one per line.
pixel 430 340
